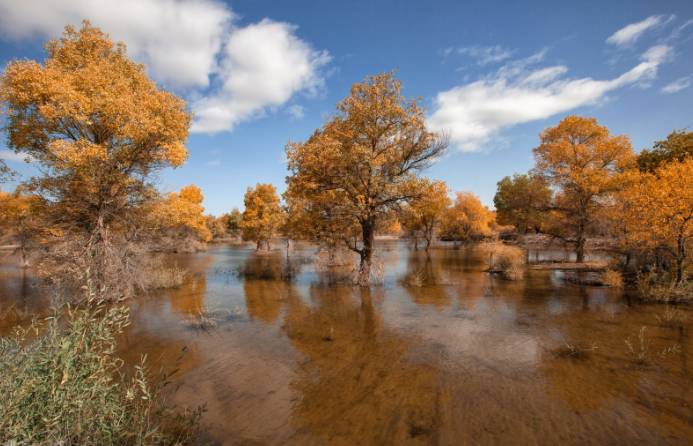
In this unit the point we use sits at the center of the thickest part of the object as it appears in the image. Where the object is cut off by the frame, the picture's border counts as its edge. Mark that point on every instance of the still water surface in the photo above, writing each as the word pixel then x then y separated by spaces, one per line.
pixel 441 353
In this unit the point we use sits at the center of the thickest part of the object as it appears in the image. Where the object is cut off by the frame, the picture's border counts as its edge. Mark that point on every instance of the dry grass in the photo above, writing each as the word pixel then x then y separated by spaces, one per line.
pixel 655 287
pixel 612 278
pixel 640 349
pixel 507 260
pixel 671 317
pixel 116 271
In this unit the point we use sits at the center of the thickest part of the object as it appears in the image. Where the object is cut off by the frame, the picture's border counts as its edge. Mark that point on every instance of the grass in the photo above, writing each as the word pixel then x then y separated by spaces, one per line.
pixel 507 260
pixel 654 287
pixel 671 317
pixel 640 351
pixel 612 278
pixel 62 383
pixel 574 351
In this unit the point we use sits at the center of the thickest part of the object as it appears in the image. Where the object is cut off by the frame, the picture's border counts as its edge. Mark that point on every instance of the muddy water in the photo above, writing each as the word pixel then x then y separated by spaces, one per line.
pixel 441 353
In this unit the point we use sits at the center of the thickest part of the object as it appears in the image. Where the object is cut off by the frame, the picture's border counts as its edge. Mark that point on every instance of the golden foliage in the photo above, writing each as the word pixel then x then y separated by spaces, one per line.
pixel 584 163
pixel 183 211
pixel 362 163
pixel 424 214
pixel 656 211
pixel 467 219
pixel 95 122
pixel 263 214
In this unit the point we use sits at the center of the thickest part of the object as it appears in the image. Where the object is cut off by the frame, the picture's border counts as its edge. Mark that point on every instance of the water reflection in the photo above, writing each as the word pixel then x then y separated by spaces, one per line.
pixel 441 353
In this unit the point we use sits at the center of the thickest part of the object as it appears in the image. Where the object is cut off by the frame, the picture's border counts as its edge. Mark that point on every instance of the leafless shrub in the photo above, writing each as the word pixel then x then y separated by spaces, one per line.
pixel 507 260
pixel 612 278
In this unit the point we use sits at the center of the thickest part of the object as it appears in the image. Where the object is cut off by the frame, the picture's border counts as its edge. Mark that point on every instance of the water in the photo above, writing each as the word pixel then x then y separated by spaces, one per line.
pixel 464 357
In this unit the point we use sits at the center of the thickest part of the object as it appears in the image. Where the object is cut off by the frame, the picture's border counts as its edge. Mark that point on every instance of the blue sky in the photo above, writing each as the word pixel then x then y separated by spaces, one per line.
pixel 491 74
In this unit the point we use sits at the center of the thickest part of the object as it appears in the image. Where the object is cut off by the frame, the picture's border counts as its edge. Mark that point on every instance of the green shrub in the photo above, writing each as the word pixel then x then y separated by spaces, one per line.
pixel 62 383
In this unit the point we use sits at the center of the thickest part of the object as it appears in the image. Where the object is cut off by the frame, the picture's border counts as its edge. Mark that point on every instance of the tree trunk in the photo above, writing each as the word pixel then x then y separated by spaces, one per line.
pixel 680 257
pixel 366 252
pixel 428 244
pixel 580 250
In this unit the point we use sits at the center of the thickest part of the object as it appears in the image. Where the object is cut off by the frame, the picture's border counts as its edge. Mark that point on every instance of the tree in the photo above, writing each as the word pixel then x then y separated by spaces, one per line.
pixel 233 222
pixel 97 126
pixel 522 201
pixel 22 218
pixel 657 211
pixel 262 216
pixel 183 211
pixel 362 164
pixel 677 147
pixel 422 218
pixel 583 162
pixel 467 219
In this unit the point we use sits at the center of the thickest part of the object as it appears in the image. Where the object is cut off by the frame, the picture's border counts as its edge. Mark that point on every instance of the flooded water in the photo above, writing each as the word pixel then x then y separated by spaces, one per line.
pixel 441 353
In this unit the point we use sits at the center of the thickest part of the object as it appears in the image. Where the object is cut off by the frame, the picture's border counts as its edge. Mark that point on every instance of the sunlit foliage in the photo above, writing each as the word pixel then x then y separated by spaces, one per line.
pixel 583 162
pixel 657 211
pixel 467 219
pixel 423 217
pixel 263 215
pixel 183 211
pixel 362 164
pixel 22 219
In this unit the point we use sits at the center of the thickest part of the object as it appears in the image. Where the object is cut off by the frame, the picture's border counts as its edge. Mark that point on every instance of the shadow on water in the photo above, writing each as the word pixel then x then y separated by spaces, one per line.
pixel 441 353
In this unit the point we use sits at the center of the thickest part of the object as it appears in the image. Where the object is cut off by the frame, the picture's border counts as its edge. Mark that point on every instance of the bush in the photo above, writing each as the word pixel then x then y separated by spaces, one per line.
pixel 504 259
pixel 67 386
pixel 612 278
pixel 656 287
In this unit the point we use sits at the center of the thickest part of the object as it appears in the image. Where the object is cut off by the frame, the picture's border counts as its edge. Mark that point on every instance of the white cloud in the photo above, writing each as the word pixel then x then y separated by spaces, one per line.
pixel 177 39
pixel 517 93
pixel 677 85
pixel 484 55
pixel 214 163
pixel 296 112
pixel 264 65
pixel 630 33
pixel 9 155
pixel 190 44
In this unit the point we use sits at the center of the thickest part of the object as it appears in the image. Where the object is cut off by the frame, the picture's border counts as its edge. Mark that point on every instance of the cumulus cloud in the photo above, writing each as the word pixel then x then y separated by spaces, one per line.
pixel 177 39
pixel 677 85
pixel 264 65
pixel 519 92
pixel 630 33
pixel 233 72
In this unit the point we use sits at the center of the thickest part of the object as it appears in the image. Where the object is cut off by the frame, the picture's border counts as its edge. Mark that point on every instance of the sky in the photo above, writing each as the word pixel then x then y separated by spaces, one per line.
pixel 490 74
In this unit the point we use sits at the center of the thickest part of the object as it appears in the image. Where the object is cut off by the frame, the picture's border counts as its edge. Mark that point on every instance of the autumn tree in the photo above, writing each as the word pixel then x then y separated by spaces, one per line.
pixel 657 212
pixel 22 219
pixel 583 162
pixel 467 219
pixel 263 215
pixel 362 164
pixel 423 216
pixel 677 147
pixel 183 212
pixel 98 127
pixel 233 222
pixel 522 201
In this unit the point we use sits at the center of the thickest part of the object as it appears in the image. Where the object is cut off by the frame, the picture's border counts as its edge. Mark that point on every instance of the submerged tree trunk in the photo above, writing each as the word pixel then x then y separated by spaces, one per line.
pixel 366 252
pixel 680 257
pixel 580 249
